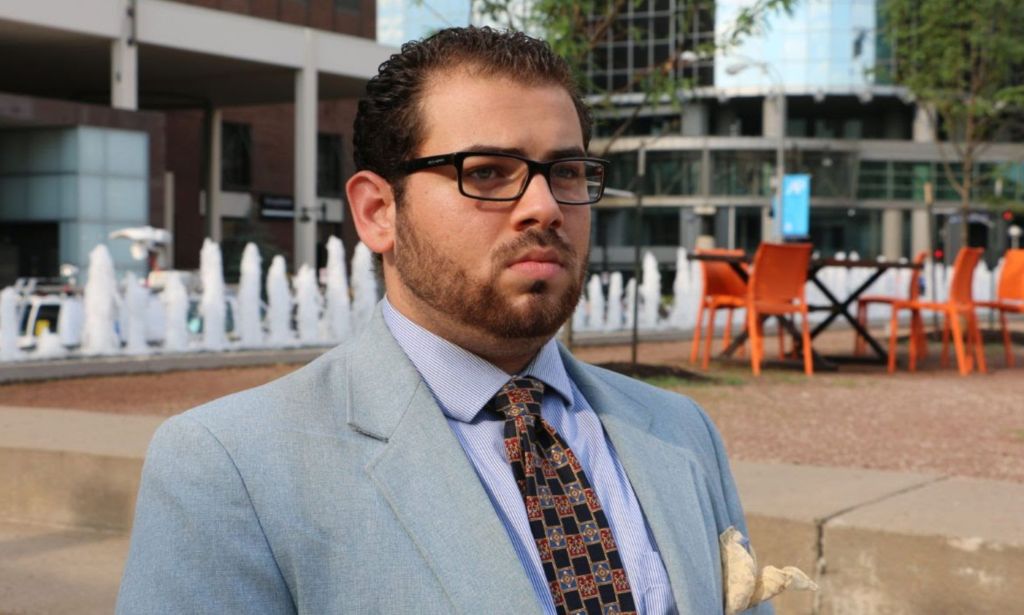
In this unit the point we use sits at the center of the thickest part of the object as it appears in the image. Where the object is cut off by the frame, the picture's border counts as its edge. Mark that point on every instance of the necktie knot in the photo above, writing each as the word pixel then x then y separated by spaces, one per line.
pixel 519 396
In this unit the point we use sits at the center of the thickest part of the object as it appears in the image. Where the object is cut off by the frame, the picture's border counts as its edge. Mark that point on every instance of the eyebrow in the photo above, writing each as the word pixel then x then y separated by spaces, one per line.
pixel 569 152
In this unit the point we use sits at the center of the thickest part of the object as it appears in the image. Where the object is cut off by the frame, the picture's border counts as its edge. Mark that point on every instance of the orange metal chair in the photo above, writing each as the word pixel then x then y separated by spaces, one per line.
pixel 1009 295
pixel 776 288
pixel 723 289
pixel 917 334
pixel 960 303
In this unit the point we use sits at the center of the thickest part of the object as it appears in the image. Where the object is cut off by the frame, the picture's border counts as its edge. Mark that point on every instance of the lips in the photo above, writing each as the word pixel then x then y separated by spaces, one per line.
pixel 538 263
pixel 539 255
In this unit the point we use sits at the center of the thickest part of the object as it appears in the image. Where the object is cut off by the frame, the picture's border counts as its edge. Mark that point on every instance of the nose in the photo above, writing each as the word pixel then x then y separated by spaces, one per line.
pixel 537 207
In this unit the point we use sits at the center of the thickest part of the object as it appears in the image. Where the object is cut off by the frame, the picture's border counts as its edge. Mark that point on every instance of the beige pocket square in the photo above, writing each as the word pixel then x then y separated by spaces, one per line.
pixel 744 586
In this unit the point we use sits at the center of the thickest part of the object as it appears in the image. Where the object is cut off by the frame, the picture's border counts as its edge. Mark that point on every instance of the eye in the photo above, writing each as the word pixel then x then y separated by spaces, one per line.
pixel 567 170
pixel 482 172
pixel 491 169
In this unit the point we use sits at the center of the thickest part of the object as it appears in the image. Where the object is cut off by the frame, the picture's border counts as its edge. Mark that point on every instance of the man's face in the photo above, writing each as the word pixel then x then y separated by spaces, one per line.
pixel 509 270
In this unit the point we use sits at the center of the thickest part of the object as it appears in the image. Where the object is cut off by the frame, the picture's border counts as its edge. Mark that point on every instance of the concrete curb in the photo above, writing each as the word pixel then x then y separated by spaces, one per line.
pixel 82 367
pixel 887 542
pixel 876 541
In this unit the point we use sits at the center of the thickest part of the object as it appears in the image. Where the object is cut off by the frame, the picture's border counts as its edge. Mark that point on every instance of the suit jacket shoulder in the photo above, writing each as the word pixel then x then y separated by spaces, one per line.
pixel 668 415
pixel 337 488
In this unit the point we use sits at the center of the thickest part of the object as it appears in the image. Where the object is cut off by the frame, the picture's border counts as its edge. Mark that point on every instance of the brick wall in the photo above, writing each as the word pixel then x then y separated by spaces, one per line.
pixel 272 129
pixel 272 157
pixel 319 14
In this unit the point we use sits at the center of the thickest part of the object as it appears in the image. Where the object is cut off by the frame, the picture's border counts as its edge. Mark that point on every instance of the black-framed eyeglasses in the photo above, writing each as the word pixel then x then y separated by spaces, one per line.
pixel 498 176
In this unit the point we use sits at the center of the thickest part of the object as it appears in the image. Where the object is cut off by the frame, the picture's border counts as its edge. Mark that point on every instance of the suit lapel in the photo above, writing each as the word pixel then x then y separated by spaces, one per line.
pixel 668 481
pixel 426 478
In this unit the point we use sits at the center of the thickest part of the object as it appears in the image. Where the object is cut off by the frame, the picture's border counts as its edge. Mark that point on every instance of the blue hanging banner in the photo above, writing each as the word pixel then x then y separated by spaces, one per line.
pixel 794 219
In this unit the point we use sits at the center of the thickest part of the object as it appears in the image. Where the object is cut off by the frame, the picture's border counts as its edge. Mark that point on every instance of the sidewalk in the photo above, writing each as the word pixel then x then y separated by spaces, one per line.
pixel 877 541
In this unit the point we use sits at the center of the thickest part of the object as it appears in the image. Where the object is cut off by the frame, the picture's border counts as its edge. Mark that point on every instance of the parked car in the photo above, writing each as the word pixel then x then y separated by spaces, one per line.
pixel 38 313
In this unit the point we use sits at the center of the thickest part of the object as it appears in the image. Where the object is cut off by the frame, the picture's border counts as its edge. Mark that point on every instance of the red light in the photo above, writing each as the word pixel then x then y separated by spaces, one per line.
pixel 1008 215
pixel 938 255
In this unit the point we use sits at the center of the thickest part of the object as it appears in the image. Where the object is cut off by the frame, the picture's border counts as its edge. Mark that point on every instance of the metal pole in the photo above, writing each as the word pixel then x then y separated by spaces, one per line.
pixel 929 203
pixel 641 164
pixel 780 158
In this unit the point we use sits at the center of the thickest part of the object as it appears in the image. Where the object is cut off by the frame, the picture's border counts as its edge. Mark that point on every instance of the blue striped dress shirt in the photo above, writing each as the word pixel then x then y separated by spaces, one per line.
pixel 463 383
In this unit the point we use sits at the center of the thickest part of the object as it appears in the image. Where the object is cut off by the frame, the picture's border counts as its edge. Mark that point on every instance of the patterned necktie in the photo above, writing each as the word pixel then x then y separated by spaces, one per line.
pixel 577 550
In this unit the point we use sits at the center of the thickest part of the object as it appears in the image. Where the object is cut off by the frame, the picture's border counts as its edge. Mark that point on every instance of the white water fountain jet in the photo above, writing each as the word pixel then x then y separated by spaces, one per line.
pixel 136 302
pixel 250 325
pixel 156 318
pixel 682 315
pixel 364 287
pixel 279 308
pixel 630 295
pixel 48 346
pixel 337 315
pixel 69 325
pixel 595 299
pixel 650 292
pixel 579 315
pixel 175 300
pixel 308 302
pixel 614 320
pixel 211 306
pixel 99 335
pixel 9 350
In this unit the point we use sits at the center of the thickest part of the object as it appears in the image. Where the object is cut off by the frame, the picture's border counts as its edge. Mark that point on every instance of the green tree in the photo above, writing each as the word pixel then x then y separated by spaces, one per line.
pixel 964 63
pixel 576 29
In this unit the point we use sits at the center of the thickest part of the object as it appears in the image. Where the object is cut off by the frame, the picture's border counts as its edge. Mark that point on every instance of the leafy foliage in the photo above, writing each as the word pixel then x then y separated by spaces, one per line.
pixel 964 62
pixel 578 29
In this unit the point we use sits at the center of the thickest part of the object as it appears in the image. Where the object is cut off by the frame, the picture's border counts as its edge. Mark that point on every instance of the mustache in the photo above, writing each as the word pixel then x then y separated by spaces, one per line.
pixel 536 238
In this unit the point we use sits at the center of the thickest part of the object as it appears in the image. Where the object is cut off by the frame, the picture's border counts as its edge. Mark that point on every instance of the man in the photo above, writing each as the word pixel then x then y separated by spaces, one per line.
pixel 452 457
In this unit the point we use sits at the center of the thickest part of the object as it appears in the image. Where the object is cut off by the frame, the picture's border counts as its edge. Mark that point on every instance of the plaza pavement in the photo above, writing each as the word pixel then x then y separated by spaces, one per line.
pixel 876 541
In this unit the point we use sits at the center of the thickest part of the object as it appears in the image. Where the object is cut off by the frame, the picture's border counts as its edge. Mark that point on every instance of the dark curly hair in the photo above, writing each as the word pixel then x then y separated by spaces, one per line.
pixel 388 127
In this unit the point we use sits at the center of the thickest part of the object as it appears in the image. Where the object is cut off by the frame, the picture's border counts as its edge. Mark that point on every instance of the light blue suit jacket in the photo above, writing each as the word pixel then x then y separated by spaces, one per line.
pixel 340 488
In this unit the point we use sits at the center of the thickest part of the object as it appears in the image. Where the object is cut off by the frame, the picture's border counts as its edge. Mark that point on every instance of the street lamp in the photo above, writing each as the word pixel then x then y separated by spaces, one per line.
pixel 780 144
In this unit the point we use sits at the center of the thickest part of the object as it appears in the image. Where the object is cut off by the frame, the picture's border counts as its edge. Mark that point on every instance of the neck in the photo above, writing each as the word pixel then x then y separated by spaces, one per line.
pixel 509 355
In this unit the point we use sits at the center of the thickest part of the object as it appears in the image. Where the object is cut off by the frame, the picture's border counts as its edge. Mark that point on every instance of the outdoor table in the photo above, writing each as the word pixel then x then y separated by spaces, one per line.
pixel 836 307
pixel 841 307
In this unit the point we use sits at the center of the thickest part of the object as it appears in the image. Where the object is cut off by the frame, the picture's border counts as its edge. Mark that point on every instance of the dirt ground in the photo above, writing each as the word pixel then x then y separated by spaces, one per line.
pixel 858 416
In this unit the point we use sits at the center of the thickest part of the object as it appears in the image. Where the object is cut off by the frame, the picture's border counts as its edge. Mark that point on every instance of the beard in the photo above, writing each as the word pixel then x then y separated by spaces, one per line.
pixel 438 281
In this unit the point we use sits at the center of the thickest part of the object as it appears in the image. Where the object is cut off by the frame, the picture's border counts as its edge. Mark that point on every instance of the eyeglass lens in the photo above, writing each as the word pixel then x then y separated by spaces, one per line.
pixel 489 176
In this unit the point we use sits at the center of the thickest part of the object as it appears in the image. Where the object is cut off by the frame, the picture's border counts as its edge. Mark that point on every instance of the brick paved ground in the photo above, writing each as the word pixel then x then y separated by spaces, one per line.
pixel 933 420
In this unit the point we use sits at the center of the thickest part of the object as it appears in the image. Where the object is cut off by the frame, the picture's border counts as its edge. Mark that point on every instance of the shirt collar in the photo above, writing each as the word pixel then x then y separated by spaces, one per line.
pixel 462 382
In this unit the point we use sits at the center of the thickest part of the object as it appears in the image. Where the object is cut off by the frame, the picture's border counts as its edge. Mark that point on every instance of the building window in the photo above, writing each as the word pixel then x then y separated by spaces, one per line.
pixel 622 174
pixel 328 165
pixel 660 227
pixel 349 6
pixel 673 172
pixel 909 178
pixel 235 156
pixel 843 229
pixel 873 180
pixel 742 173
pixel 831 172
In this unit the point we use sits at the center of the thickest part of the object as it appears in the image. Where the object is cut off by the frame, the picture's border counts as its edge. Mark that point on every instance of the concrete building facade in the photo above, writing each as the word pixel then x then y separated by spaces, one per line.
pixel 227 119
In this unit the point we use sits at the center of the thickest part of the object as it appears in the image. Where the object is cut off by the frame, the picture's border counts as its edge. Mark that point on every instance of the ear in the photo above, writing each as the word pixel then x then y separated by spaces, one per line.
pixel 373 210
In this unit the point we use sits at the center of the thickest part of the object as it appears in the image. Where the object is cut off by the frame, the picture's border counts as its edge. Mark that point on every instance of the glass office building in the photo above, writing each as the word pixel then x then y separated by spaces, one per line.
pixel 823 47
pixel 710 164
pixel 64 190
